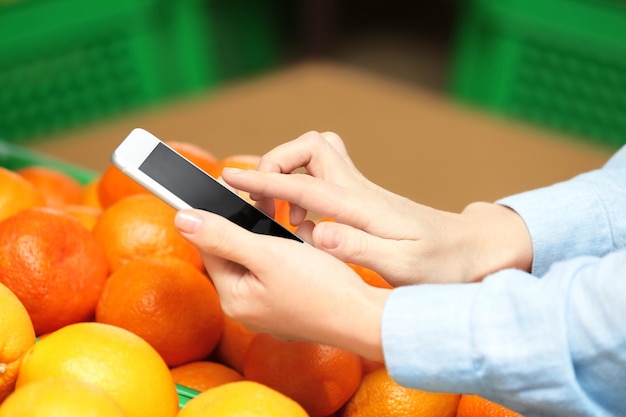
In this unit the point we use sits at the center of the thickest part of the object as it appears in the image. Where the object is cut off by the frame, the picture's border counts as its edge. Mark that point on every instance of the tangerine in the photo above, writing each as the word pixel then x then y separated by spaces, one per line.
pixel 53 264
pixel 477 406
pixel 142 225
pixel 371 277
pixel 17 194
pixel 109 357
pixel 233 345
pixel 57 188
pixel 380 396
pixel 17 335
pixel 113 185
pixel 202 375
pixel 167 302
pixel 320 378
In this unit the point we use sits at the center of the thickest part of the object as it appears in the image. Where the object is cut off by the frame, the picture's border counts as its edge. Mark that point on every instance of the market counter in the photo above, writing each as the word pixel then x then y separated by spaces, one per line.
pixel 410 141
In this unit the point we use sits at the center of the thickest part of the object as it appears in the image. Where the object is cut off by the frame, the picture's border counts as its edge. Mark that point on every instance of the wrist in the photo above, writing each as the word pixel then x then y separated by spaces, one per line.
pixel 497 238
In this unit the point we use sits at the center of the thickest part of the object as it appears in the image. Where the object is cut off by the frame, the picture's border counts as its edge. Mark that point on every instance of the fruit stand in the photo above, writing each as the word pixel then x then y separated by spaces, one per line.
pixel 404 139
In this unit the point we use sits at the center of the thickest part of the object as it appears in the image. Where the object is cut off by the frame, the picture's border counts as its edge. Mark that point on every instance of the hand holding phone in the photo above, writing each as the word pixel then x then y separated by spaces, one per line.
pixel 181 184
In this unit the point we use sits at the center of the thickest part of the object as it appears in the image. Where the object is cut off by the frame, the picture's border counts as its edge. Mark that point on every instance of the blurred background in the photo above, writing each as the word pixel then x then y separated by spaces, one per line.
pixel 72 69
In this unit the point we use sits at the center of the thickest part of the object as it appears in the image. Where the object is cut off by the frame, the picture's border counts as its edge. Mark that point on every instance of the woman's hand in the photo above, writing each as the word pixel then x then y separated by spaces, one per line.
pixel 287 288
pixel 404 241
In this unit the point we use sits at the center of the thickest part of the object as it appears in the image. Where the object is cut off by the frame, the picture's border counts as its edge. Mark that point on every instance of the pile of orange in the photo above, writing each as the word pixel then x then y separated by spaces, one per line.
pixel 125 310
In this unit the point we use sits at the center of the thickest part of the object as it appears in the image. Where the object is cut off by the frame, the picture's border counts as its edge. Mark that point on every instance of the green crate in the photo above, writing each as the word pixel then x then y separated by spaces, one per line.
pixel 556 63
pixel 67 62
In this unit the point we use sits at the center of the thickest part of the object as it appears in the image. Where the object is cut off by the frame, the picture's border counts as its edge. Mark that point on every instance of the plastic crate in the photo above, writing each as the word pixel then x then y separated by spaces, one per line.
pixel 64 63
pixel 13 157
pixel 555 63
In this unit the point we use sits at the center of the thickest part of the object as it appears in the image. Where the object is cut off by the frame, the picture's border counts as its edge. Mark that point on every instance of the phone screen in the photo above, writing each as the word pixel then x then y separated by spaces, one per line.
pixel 201 191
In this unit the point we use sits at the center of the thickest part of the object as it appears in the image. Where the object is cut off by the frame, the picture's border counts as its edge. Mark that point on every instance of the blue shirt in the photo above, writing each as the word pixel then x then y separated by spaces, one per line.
pixel 550 343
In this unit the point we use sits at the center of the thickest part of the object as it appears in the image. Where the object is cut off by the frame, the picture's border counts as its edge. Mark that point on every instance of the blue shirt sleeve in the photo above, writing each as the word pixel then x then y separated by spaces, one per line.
pixel 582 216
pixel 542 347
pixel 550 343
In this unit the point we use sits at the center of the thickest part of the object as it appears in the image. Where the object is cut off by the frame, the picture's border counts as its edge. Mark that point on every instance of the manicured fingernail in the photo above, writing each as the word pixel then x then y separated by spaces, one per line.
pixel 188 221
pixel 232 170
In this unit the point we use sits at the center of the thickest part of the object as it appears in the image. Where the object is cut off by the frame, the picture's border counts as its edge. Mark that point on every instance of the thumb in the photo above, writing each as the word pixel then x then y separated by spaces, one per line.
pixel 216 236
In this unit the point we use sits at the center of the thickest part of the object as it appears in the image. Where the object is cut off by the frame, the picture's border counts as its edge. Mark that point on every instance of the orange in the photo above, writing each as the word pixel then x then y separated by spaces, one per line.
pixel 167 302
pixel 233 345
pixel 372 278
pixel 53 264
pixel 87 215
pixel 380 396
pixel 113 185
pixel 57 188
pixel 476 406
pixel 17 194
pixel 202 375
pixel 89 195
pixel 281 214
pixel 142 225
pixel 320 378
pixel 60 398
pixel 243 399
pixel 202 158
pixel 111 358
pixel 17 335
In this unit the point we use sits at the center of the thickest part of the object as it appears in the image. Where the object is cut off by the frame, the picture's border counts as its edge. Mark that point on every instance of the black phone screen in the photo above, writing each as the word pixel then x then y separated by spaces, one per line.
pixel 201 191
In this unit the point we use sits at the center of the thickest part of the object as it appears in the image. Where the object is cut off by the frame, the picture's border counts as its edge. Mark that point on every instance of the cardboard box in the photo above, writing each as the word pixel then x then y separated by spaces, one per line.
pixel 409 141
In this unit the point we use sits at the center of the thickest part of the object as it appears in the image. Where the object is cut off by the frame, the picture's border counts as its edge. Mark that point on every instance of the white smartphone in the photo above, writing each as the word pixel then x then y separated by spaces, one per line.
pixel 181 184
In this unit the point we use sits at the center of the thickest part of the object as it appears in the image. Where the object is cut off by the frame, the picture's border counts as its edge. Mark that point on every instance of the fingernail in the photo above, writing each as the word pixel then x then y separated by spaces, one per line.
pixel 188 221
pixel 232 170
pixel 331 239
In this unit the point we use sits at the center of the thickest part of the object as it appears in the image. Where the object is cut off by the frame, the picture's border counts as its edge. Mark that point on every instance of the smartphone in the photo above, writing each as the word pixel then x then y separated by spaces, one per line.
pixel 181 184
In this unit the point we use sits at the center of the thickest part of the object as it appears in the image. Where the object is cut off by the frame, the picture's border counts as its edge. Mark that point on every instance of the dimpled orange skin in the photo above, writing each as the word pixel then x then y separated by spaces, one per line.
pixel 320 378
pixel 142 225
pixel 53 264
pixel 167 302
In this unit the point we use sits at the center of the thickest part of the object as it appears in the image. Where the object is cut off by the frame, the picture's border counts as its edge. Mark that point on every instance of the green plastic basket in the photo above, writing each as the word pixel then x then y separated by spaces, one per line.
pixel 556 63
pixel 64 63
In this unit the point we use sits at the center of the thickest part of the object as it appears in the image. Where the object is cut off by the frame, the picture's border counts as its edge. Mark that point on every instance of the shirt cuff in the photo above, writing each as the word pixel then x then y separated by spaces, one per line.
pixel 426 334
pixel 557 216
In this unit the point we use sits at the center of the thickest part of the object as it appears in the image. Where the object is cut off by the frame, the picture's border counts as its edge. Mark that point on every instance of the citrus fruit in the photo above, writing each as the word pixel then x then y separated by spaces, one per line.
pixel 477 406
pixel 17 194
pixel 111 358
pixel 320 378
pixel 380 396
pixel 87 215
pixel 142 225
pixel 60 398
pixel 53 264
pixel 17 335
pixel 233 345
pixel 242 399
pixel 89 195
pixel 167 302
pixel 200 157
pixel 371 277
pixel 202 375
pixel 57 188
pixel 113 185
